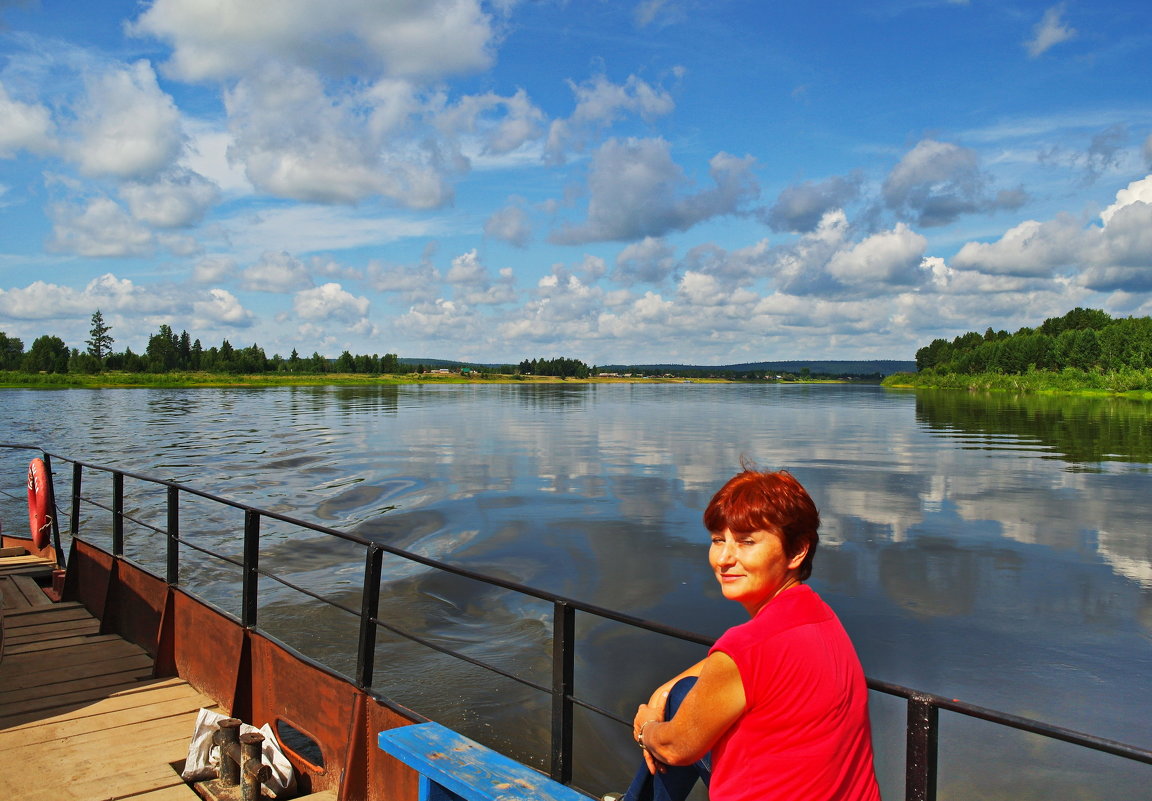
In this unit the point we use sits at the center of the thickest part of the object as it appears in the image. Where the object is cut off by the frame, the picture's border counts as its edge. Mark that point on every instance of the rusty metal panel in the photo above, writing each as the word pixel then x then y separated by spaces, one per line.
pixel 204 647
pixel 89 571
pixel 135 602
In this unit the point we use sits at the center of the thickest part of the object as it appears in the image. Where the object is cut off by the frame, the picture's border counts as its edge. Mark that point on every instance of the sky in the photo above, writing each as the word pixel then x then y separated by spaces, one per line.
pixel 615 181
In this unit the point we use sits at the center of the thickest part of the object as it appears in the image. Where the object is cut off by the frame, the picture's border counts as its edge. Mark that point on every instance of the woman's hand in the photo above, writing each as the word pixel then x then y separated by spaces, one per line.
pixel 647 716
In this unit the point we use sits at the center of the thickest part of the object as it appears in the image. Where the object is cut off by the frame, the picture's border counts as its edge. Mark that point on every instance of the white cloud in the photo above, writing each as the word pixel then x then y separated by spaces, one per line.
pixel 637 190
pixel 277 272
pixel 214 269
pixel 467 270
pixel 175 200
pixel 650 260
pixel 883 260
pixel 297 141
pixel 1049 32
pixel 800 207
pixel 228 38
pixel 221 307
pixel 126 127
pixel 330 302
pixel 1137 191
pixel 599 103
pixel 26 126
pixel 100 229
pixel 509 224
pixel 936 182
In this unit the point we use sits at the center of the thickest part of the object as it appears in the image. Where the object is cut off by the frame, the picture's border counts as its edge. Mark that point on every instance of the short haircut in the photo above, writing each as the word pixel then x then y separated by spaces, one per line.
pixel 761 501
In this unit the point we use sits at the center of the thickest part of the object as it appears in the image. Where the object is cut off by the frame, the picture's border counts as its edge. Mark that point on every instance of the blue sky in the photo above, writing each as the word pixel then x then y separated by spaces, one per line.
pixel 664 180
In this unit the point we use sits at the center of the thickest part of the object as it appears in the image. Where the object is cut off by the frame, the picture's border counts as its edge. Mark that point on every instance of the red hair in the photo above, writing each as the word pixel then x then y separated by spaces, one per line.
pixel 756 501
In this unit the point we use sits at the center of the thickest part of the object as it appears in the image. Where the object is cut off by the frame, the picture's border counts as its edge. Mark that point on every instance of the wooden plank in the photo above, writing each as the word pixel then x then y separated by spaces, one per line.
pixel 20 700
pixel 462 766
pixel 86 691
pixel 157 716
pixel 26 674
pixel 31 590
pixel 45 644
pixel 11 598
pixel 61 708
pixel 66 628
pixel 63 610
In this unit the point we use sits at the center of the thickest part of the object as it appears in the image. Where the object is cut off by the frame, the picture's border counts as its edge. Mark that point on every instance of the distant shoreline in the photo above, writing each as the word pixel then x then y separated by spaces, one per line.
pixel 10 380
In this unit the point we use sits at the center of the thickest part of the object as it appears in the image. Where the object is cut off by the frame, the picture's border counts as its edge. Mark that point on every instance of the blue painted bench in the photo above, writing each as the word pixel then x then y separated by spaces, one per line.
pixel 454 768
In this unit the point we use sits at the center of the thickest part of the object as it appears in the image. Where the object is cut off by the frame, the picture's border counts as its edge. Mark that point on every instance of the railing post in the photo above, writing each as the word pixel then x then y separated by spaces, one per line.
pixel 74 515
pixel 251 566
pixel 369 607
pixel 920 762
pixel 563 661
pixel 173 561
pixel 117 514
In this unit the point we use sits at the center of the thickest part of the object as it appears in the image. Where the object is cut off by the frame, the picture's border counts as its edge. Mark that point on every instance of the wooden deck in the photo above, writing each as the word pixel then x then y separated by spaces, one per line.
pixel 80 715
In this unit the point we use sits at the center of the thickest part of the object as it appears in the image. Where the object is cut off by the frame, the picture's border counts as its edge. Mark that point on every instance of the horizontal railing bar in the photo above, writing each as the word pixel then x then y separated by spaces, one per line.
pixel 1016 722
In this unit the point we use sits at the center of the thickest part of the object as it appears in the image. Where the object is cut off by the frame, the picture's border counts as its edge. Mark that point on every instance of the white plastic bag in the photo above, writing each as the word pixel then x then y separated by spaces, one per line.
pixel 204 757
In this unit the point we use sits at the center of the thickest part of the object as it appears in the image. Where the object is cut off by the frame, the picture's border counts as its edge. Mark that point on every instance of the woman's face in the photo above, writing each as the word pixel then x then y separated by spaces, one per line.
pixel 752 568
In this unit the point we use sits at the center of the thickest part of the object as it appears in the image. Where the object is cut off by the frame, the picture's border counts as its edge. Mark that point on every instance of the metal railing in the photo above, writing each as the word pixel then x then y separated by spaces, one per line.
pixel 922 728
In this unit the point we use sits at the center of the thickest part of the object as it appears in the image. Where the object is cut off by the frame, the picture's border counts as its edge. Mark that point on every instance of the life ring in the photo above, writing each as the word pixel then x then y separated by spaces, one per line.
pixel 38 518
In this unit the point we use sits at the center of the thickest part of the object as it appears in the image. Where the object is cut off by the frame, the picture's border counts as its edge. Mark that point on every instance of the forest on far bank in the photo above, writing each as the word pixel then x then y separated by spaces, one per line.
pixel 1084 349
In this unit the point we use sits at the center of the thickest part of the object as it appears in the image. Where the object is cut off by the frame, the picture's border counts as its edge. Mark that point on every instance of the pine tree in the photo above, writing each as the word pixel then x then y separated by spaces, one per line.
pixel 100 345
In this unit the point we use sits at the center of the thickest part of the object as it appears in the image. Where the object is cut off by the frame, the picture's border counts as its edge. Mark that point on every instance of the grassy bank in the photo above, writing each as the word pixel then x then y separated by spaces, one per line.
pixel 197 379
pixel 1133 383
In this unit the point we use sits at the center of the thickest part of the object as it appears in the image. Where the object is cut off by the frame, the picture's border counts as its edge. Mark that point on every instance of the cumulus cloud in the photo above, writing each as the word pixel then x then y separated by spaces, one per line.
pixel 501 125
pixel 27 126
pixel 1050 31
pixel 42 300
pixel 220 307
pixel 126 126
pixel 297 142
pixel 1115 255
pixel 277 272
pixel 330 302
pixel 799 208
pixel 175 200
pixel 637 190
pixel 650 260
pixel 937 182
pixel 214 269
pixel 599 103
pixel 883 261
pixel 101 228
pixel 228 38
pixel 509 224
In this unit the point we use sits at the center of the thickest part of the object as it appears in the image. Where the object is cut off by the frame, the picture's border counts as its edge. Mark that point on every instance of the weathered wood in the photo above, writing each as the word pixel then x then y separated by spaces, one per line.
pixel 82 718
pixel 448 761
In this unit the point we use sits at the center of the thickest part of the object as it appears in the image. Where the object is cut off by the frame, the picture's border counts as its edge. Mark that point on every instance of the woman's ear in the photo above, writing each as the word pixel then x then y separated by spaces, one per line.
pixel 797 559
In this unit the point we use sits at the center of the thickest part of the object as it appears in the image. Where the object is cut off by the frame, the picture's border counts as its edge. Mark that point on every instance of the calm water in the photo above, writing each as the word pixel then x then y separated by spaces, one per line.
pixel 994 549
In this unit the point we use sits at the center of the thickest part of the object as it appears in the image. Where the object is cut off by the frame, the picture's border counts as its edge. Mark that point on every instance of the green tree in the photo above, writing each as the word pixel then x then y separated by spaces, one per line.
pixel 162 351
pixel 99 340
pixel 11 352
pixel 48 354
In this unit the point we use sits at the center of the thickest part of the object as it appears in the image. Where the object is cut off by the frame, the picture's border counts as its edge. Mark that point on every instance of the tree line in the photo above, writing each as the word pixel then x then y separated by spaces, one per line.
pixel 169 352
pixel 1083 339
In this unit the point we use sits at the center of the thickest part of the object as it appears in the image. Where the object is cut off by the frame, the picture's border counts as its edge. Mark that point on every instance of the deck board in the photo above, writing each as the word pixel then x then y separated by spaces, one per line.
pixel 81 716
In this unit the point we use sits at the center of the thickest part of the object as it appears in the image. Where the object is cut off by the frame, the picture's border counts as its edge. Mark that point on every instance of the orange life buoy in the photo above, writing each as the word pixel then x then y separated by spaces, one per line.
pixel 38 518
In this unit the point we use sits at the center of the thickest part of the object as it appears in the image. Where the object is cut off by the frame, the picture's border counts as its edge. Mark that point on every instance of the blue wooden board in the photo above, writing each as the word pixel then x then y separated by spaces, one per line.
pixel 458 768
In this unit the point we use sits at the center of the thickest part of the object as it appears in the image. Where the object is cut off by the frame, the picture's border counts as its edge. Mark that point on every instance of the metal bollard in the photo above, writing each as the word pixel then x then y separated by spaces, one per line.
pixel 240 759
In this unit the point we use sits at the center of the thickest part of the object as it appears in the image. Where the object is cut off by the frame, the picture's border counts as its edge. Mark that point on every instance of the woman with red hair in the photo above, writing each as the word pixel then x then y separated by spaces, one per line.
pixel 779 707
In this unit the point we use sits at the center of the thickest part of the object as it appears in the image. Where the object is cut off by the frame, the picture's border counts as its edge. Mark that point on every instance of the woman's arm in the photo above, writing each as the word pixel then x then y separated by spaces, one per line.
pixel 709 710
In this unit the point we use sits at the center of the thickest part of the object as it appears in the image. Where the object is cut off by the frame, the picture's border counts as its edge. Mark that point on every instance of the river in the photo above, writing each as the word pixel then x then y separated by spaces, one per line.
pixel 991 548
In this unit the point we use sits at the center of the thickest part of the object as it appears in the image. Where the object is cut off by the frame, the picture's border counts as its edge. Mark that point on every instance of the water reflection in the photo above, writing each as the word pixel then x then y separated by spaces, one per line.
pixel 989 548
pixel 1083 431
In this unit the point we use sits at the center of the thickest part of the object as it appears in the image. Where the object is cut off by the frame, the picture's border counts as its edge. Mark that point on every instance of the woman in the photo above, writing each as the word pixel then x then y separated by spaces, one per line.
pixel 780 701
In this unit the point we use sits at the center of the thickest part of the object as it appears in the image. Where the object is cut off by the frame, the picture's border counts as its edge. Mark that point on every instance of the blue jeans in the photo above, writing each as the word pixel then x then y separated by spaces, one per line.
pixel 674 783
